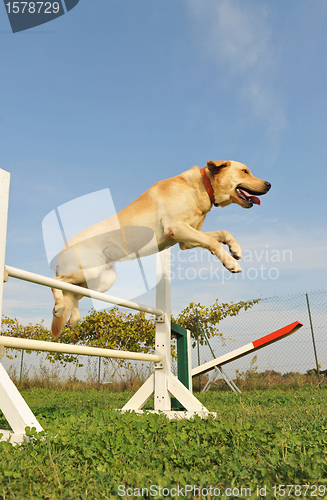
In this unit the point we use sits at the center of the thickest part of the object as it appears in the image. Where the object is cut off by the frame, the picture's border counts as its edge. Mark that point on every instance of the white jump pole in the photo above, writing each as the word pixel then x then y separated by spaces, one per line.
pixel 39 345
pixel 68 287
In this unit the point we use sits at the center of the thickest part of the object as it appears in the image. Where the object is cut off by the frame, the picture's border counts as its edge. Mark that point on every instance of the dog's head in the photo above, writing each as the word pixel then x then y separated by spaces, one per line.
pixel 232 182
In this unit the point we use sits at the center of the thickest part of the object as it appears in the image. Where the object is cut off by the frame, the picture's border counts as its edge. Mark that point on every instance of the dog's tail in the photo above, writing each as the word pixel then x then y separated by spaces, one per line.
pixel 59 320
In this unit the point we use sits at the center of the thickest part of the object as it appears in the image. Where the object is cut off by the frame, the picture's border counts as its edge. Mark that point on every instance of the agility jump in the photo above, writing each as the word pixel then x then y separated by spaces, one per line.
pixel 163 384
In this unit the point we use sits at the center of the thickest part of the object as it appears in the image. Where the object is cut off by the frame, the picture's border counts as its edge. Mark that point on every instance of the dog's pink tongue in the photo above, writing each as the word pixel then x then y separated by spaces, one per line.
pixel 254 199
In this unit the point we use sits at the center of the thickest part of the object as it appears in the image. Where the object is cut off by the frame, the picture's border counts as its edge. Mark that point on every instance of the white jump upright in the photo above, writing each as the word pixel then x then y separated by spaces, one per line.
pixel 163 384
pixel 4 201
pixel 12 405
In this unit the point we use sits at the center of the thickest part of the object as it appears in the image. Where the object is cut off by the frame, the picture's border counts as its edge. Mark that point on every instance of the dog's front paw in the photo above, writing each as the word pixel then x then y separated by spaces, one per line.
pixel 236 250
pixel 58 310
pixel 233 267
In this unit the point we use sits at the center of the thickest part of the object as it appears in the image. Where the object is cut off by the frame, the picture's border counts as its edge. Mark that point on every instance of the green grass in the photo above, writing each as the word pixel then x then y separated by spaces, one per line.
pixel 260 438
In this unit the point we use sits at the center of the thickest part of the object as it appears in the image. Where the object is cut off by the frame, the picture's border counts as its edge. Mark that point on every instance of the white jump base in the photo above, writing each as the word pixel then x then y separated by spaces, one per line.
pixel 162 383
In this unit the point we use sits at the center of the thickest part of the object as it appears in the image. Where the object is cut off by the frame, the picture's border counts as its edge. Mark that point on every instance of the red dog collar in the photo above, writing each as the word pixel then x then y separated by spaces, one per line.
pixel 208 186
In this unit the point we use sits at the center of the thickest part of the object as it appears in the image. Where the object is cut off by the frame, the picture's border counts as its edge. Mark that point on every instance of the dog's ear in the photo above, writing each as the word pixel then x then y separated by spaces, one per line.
pixel 215 166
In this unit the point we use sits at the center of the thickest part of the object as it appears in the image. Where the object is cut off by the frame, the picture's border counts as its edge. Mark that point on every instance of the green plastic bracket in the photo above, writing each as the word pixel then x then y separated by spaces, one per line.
pixel 182 360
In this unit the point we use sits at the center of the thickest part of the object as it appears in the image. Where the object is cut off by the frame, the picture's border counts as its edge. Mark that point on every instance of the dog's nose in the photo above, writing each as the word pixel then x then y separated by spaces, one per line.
pixel 268 184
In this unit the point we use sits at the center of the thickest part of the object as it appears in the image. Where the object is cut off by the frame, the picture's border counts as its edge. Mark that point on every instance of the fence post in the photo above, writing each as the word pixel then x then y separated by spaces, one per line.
pixel 21 367
pixel 99 371
pixel 199 363
pixel 313 337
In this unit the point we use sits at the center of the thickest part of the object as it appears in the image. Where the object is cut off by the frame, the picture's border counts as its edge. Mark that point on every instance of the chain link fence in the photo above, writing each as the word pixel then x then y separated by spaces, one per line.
pixel 304 350
pixel 31 368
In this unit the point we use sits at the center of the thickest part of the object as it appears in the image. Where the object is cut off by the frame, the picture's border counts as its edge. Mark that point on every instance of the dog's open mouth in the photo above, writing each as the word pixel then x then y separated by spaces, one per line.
pixel 248 196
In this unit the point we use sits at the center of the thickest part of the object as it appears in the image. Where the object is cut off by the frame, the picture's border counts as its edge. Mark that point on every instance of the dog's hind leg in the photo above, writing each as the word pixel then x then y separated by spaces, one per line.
pixel 100 284
pixel 75 314
pixel 60 316
pixel 59 307
pixel 65 302
pixel 104 281
pixel 73 278
pixel 68 304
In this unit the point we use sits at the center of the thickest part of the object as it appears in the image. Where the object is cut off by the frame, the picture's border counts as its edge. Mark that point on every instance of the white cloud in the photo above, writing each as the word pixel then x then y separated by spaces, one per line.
pixel 236 33
pixel 238 38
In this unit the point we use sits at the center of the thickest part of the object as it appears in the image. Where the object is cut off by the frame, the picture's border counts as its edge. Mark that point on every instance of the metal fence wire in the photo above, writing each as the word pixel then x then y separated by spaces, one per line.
pixel 304 350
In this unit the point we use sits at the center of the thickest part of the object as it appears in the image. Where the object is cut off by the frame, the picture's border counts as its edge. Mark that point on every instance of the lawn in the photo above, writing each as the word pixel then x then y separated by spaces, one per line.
pixel 259 442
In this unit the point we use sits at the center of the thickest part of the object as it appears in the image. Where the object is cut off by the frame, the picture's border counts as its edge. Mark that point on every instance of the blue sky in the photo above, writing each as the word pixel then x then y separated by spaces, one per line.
pixel 120 94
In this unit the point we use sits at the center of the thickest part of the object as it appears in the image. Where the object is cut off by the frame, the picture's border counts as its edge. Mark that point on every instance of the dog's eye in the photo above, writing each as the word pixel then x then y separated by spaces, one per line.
pixel 245 171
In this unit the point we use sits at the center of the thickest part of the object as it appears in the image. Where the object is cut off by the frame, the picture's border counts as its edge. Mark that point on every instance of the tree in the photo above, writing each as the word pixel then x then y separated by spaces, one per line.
pixel 114 329
pixel 209 317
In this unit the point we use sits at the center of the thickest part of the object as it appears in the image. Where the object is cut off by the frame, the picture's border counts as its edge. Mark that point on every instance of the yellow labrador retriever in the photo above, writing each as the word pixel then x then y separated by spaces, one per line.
pixel 172 211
